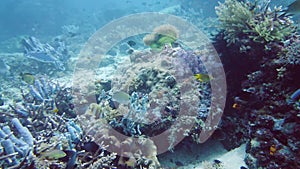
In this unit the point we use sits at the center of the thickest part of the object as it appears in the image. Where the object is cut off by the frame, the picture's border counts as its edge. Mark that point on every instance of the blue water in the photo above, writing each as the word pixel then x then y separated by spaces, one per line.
pixel 45 18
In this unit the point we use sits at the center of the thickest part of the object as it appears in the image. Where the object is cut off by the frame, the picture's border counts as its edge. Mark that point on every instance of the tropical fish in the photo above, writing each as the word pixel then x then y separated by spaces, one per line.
pixel 294 8
pixel 90 146
pixel 28 78
pixel 273 149
pixel 55 110
pixel 203 77
pixel 236 106
pixel 53 154
pixel 131 43
pixel 121 97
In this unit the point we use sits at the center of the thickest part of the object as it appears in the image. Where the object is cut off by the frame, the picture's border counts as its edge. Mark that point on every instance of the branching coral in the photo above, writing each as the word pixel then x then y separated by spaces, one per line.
pixel 271 26
pixel 234 16
pixel 244 23
pixel 46 95
pixel 42 132
pixel 16 149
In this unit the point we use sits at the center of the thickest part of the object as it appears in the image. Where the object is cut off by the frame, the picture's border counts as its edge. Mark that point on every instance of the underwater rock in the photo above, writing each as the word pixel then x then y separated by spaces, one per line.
pixel 268 118
pixel 266 121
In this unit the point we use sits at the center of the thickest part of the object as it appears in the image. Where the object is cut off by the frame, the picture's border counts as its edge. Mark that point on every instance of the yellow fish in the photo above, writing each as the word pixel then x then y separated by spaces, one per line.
pixel 236 106
pixel 203 77
pixel 27 77
pixel 55 110
pixel 272 149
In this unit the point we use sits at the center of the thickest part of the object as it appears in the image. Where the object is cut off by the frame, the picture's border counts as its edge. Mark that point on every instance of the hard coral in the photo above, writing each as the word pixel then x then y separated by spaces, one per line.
pixel 268 26
pixel 233 16
pixel 246 24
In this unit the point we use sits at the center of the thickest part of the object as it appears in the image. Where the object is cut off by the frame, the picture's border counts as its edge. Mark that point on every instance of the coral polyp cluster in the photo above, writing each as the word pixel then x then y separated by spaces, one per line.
pixel 161 36
pixel 234 17
pixel 245 23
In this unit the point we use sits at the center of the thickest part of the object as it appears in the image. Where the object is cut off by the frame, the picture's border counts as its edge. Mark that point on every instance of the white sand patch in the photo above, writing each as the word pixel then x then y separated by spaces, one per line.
pixel 192 157
pixel 234 159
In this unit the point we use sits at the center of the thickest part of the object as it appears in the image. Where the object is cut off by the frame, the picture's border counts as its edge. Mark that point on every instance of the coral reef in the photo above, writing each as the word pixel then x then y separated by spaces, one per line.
pixel 46 95
pixel 274 141
pixel 44 132
pixel 247 25
pixel 101 133
pixel 153 84
pixel 162 87
pixel 260 111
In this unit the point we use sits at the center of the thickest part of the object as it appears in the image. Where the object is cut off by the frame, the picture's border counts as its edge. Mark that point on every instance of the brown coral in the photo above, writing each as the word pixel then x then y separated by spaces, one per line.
pixel 162 34
pixel 167 30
